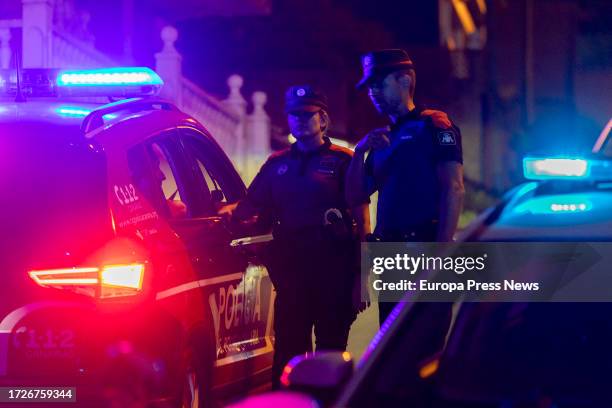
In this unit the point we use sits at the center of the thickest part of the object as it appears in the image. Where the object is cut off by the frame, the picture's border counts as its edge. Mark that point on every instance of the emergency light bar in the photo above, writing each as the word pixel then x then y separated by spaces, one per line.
pixel 106 82
pixel 565 204
pixel 567 168
pixel 538 169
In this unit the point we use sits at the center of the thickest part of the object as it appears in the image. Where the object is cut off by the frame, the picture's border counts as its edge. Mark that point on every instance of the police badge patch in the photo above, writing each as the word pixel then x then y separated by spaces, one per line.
pixel 446 138
pixel 282 169
pixel 327 166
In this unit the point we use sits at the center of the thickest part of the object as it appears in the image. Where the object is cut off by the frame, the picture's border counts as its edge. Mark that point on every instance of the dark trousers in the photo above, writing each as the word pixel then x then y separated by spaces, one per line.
pixel 433 318
pixel 293 325
pixel 422 233
pixel 313 281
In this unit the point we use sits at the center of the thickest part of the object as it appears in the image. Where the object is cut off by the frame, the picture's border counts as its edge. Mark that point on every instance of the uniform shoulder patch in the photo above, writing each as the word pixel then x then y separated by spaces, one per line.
pixel 341 149
pixel 447 137
pixel 279 154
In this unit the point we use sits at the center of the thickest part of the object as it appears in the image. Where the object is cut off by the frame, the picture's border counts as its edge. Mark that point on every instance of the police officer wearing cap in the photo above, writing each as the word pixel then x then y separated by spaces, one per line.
pixel 314 259
pixel 415 164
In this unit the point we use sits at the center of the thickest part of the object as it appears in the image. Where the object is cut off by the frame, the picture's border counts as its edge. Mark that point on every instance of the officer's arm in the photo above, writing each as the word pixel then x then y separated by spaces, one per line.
pixel 450 177
pixel 361 213
pixel 258 200
pixel 359 185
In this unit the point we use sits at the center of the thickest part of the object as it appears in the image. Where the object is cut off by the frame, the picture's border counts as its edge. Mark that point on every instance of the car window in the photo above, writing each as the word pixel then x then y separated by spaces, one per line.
pixel 501 349
pixel 393 377
pixel 212 184
pixel 215 169
pixel 155 175
pixel 607 151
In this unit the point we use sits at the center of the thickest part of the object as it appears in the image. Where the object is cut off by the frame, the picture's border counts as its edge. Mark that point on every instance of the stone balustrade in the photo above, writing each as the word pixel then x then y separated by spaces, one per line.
pixel 244 136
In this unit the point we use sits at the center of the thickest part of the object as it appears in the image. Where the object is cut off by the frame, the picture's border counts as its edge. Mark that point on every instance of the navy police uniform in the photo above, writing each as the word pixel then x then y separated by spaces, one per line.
pixel 313 258
pixel 405 176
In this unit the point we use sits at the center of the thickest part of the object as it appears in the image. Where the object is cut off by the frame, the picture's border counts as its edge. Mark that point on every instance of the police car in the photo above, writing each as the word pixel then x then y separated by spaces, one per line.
pixel 496 354
pixel 122 282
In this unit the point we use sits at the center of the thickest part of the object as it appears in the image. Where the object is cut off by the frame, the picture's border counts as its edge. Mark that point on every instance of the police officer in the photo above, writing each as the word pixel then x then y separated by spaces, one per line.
pixel 415 164
pixel 314 259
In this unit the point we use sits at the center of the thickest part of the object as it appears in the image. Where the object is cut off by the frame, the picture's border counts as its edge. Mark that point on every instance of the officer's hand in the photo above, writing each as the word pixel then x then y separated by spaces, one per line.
pixel 438 118
pixel 375 140
pixel 359 304
pixel 227 210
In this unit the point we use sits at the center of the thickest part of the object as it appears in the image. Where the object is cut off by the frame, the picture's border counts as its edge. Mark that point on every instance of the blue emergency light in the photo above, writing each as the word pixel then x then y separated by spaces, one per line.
pixel 568 168
pixel 79 112
pixel 106 82
pixel 109 77
pixel 554 167
pixel 561 204
pixel 69 111
pixel 123 81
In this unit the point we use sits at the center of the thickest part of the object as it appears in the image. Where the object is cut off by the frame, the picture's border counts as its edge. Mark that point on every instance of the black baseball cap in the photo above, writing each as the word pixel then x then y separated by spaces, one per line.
pixel 382 62
pixel 304 98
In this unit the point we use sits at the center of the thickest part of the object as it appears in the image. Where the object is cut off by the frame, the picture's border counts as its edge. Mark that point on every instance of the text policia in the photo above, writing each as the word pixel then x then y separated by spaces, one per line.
pixel 413 264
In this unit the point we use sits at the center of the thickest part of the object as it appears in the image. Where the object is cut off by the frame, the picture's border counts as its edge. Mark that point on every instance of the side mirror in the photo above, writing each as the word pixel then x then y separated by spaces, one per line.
pixel 321 374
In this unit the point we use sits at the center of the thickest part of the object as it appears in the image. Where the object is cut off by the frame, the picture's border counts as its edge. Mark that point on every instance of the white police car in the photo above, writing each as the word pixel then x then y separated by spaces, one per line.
pixel 569 199
pixel 497 354
pixel 121 282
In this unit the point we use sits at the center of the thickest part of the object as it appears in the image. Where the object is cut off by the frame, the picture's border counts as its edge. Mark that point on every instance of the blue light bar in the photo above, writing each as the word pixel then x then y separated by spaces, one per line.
pixel 555 168
pixel 567 168
pixel 121 82
pixel 109 77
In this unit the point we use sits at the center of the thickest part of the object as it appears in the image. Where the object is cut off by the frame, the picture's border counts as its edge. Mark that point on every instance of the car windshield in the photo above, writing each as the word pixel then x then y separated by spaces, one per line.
pixel 607 150
pixel 504 351
pixel 603 145
pixel 497 352
pixel 53 199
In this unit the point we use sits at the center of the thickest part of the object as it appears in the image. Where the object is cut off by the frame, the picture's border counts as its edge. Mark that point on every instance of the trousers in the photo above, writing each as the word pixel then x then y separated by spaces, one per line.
pixel 313 279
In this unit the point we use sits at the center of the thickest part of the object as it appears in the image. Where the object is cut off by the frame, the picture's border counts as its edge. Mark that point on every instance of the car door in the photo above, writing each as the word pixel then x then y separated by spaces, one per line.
pixel 226 259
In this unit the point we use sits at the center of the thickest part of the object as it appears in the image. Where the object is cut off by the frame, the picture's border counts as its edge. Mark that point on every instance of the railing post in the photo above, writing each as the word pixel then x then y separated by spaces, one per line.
pixel 236 103
pixel 258 136
pixel 5 47
pixel 168 65
pixel 37 33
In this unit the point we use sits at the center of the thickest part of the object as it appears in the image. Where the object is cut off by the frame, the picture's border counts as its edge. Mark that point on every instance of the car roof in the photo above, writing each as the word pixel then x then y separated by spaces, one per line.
pixel 58 120
pixel 61 119
pixel 539 212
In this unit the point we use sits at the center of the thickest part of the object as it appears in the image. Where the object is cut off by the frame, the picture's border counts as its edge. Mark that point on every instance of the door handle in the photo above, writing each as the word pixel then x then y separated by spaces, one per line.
pixel 256 239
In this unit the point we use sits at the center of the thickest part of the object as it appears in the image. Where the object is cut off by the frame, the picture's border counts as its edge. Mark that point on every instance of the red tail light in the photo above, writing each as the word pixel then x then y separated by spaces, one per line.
pixel 105 282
